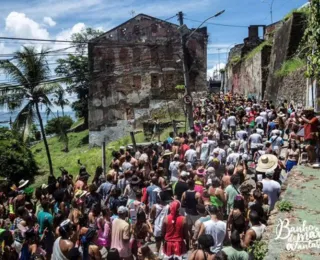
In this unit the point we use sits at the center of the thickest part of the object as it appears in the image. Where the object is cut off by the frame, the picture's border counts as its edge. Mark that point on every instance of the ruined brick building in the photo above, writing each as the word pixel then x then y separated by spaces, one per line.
pixel 135 67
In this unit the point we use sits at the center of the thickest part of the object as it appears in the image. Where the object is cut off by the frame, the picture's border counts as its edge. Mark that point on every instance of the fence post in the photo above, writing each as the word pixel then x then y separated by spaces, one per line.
pixel 133 141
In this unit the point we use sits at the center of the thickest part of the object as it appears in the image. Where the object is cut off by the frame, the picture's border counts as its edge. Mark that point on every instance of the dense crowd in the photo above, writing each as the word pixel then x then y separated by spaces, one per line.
pixel 205 194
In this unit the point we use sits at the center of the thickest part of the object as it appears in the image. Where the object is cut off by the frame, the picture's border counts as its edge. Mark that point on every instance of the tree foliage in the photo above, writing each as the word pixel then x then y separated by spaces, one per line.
pixel 29 73
pixel 60 127
pixel 75 71
pixel 55 125
pixel 16 160
pixel 60 99
pixel 312 39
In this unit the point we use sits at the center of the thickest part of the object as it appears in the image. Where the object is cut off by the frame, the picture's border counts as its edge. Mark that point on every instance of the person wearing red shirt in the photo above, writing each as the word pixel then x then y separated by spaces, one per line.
pixel 175 230
pixel 185 147
pixel 310 133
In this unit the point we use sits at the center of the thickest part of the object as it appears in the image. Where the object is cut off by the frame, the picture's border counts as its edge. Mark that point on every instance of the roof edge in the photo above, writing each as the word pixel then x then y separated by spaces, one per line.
pixel 141 14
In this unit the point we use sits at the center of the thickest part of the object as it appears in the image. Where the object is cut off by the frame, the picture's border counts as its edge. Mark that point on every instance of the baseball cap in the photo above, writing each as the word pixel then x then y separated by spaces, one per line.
pixel 122 210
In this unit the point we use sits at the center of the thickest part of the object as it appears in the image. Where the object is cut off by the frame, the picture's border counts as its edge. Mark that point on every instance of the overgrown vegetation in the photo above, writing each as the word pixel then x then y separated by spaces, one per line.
pixel 305 10
pixel 284 205
pixel 290 66
pixel 235 59
pixel 180 87
pixel 259 250
pixel 257 49
pixel 60 126
pixel 312 40
pixel 16 160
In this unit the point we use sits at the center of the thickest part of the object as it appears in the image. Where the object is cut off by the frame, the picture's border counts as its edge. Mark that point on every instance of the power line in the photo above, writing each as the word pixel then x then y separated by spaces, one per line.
pixel 61 41
pixel 218 24
pixel 170 18
pixel 38 40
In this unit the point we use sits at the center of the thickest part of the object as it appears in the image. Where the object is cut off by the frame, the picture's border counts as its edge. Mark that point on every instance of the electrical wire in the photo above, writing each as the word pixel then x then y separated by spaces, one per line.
pixel 217 24
pixel 170 18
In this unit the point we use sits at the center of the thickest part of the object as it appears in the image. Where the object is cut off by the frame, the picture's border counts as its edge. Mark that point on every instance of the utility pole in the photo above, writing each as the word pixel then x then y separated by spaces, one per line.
pixel 104 159
pixel 186 73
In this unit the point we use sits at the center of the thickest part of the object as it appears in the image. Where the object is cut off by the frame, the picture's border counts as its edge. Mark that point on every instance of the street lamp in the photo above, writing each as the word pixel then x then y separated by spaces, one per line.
pixel 184 39
pixel 216 15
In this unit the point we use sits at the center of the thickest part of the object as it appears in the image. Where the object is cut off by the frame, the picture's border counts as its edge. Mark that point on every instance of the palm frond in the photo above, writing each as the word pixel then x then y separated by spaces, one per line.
pixel 12 101
pixel 14 73
pixel 46 89
pixel 33 64
pixel 24 120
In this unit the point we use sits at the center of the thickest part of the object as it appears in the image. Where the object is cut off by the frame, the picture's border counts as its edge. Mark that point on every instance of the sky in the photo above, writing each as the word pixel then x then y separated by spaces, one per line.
pixel 58 19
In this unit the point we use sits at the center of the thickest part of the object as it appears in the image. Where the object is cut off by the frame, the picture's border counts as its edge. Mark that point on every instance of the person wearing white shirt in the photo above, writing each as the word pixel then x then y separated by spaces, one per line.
pixel 275 131
pixel 224 124
pixel 241 134
pixel 264 114
pixel 259 121
pixel 260 132
pixel 232 124
pixel 233 158
pixel 255 140
pixel 191 155
pixel 276 142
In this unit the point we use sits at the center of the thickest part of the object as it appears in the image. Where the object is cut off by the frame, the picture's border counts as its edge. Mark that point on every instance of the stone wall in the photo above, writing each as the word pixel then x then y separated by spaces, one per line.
pixel 248 77
pixel 257 76
pixel 293 88
pixel 285 45
pixel 124 127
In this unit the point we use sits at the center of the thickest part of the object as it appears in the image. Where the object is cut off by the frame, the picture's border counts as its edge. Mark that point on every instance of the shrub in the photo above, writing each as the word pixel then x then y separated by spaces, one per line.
pixel 180 87
pixel 234 60
pixel 58 124
pixel 16 160
pixel 284 205
pixel 259 249
pixel 290 66
pixel 257 49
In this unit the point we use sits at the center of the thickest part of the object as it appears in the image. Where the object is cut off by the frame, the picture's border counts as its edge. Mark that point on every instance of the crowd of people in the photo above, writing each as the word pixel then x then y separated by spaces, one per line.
pixel 205 194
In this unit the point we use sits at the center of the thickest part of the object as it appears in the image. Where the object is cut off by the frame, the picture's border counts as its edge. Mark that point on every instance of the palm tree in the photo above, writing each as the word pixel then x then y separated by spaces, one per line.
pixel 59 99
pixel 30 86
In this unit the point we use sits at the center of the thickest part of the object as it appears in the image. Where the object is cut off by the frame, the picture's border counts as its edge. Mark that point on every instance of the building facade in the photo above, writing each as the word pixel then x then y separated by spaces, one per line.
pixel 135 68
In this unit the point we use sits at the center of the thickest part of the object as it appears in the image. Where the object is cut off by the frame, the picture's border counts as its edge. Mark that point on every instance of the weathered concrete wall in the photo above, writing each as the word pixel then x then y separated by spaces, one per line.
pixel 285 45
pixel 122 128
pixel 249 76
pixel 293 88
pixel 134 64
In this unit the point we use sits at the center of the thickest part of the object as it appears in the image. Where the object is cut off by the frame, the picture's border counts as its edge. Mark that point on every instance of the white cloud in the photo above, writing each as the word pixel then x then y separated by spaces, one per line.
pixel 66 34
pixel 214 72
pixel 48 20
pixel 19 25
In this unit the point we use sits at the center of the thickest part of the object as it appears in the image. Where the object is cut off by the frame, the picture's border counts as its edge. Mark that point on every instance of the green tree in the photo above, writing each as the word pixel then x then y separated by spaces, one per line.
pixel 29 71
pixel 16 160
pixel 312 40
pixel 59 99
pixel 75 72
pixel 60 127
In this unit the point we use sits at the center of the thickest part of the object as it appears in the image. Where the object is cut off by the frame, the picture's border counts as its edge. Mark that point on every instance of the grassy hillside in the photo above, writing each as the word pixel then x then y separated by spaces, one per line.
pixel 79 149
